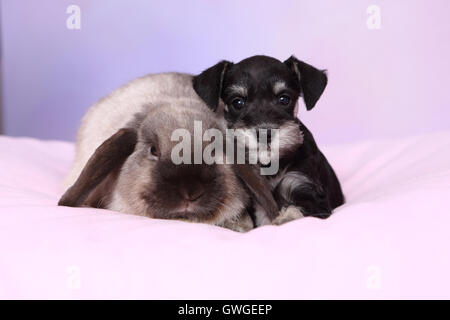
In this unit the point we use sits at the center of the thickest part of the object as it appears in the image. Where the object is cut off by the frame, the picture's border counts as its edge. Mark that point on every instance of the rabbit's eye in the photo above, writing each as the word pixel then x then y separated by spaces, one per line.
pixel 153 153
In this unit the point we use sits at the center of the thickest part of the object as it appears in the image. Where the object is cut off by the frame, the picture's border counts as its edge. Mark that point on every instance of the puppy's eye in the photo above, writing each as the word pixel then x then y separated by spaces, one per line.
pixel 284 99
pixel 238 103
pixel 153 153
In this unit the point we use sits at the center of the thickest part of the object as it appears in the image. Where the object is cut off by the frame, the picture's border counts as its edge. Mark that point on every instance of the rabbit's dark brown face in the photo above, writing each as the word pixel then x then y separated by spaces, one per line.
pixel 185 191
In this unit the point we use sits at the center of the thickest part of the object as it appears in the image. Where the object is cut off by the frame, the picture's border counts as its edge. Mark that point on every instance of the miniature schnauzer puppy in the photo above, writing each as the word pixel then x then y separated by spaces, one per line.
pixel 261 92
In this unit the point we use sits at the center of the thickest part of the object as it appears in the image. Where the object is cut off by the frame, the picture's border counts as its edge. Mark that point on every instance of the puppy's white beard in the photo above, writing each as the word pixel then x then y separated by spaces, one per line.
pixel 291 137
pixel 284 140
pixel 260 151
pixel 269 153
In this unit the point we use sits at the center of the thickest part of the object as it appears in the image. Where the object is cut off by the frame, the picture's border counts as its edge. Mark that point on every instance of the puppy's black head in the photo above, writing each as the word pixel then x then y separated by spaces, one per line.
pixel 260 90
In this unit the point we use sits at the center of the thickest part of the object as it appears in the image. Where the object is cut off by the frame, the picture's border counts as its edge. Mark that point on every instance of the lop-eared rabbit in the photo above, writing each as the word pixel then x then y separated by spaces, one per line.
pixel 124 159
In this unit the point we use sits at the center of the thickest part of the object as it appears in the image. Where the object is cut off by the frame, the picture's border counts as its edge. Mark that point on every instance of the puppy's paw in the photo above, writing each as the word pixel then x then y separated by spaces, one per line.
pixel 243 224
pixel 288 214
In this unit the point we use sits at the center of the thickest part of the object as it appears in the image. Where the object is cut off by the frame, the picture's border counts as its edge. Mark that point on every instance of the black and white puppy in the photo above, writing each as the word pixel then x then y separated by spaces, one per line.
pixel 261 92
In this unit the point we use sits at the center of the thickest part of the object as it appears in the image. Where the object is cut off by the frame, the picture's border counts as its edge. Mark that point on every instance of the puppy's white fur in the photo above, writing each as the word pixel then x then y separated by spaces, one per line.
pixel 288 214
pixel 279 86
pixel 239 90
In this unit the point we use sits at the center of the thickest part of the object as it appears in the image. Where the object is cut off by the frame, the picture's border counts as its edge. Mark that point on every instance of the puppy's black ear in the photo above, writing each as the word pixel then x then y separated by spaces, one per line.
pixel 312 81
pixel 208 84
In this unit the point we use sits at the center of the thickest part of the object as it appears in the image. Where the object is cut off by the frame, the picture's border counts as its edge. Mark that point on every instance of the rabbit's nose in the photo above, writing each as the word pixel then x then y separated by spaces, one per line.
pixel 191 194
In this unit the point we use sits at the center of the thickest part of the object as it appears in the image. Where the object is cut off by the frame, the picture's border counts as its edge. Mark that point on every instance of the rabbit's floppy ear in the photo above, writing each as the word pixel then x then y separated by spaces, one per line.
pixel 259 187
pixel 100 172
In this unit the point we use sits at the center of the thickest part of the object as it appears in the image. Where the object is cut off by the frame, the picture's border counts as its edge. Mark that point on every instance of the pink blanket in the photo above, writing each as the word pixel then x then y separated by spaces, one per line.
pixel 390 240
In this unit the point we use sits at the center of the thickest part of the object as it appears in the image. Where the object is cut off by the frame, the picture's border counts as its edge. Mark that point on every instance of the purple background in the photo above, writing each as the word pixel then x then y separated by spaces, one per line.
pixel 382 83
